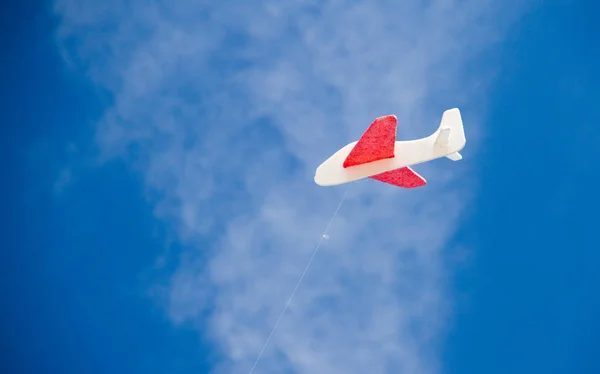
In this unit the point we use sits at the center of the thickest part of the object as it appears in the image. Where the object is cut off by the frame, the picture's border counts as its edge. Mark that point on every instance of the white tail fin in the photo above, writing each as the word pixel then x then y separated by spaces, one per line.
pixel 443 137
pixel 454 156
pixel 450 136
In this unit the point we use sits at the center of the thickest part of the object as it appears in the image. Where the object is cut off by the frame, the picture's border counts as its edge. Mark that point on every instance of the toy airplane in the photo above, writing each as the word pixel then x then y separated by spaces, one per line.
pixel 377 154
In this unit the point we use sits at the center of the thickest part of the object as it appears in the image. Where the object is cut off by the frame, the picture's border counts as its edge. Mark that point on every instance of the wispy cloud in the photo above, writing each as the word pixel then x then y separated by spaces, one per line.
pixel 227 108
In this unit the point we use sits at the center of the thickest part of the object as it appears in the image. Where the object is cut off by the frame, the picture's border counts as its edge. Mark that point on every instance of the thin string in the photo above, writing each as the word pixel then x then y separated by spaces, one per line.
pixel 300 280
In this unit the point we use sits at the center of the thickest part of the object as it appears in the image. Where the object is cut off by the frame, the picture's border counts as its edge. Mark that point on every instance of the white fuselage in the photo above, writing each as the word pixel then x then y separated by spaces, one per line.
pixel 407 153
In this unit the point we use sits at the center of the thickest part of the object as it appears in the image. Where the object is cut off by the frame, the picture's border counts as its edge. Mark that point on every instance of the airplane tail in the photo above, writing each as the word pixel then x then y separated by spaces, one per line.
pixel 450 136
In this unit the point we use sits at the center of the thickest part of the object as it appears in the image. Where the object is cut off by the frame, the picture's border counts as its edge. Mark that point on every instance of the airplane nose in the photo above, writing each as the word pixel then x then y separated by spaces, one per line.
pixel 317 177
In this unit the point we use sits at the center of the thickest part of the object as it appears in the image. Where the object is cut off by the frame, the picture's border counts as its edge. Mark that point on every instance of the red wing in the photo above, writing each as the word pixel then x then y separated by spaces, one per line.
pixel 377 143
pixel 403 177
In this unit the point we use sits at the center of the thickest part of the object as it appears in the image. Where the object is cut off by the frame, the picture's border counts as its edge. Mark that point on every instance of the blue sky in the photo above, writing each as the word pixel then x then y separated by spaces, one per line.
pixel 159 202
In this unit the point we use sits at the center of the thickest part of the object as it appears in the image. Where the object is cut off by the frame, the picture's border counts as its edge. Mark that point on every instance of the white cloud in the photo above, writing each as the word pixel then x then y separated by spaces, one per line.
pixel 227 107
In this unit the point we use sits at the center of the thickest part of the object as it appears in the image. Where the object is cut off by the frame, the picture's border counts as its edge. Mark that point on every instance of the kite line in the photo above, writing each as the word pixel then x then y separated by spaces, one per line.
pixel 287 304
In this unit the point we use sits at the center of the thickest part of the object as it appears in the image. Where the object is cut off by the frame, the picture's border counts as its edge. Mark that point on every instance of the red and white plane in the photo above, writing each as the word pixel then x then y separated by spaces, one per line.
pixel 377 154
